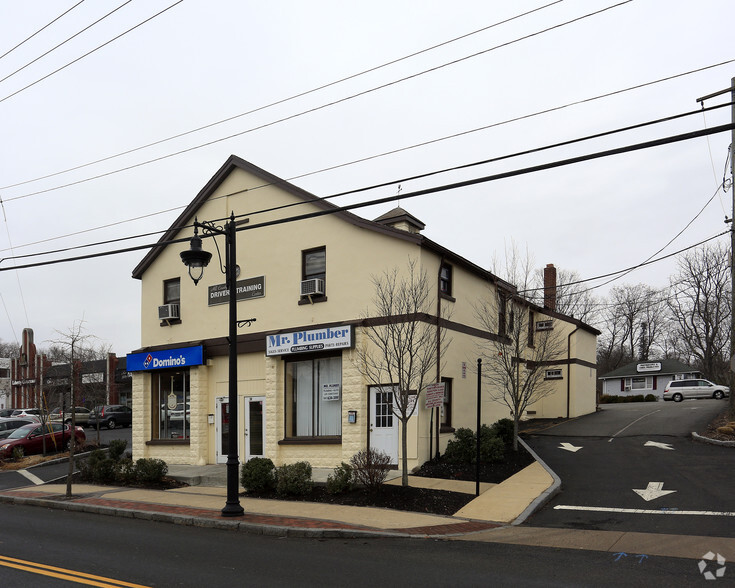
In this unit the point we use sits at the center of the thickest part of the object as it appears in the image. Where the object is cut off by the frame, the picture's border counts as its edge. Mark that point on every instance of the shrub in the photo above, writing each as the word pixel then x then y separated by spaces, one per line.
pixel 117 448
pixel 609 399
pixel 504 429
pixel 126 472
pixel 257 475
pixel 370 467
pixel 98 468
pixel 651 398
pixel 341 480
pixel 294 479
pixel 17 453
pixel 150 470
pixel 463 448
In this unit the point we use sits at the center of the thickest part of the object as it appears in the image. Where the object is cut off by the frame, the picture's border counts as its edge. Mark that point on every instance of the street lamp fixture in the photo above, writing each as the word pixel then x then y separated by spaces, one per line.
pixel 196 259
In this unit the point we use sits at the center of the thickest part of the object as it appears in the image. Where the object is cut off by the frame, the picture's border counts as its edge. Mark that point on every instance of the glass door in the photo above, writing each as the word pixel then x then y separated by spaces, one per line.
pixel 222 428
pixel 254 427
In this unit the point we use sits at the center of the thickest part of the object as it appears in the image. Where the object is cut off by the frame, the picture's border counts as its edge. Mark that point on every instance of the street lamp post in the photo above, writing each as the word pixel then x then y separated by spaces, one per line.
pixel 196 259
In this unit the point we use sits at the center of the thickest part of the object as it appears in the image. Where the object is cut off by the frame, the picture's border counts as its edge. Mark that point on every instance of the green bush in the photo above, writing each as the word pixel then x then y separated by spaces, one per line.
pixel 112 468
pixel 258 475
pixel 504 429
pixel 370 467
pixel 341 480
pixel 651 398
pixel 150 470
pixel 117 448
pixel 463 448
pixel 610 399
pixel 293 479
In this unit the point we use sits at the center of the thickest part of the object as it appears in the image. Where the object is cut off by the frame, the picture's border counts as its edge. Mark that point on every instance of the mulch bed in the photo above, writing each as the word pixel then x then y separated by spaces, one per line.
pixel 423 500
pixel 719 421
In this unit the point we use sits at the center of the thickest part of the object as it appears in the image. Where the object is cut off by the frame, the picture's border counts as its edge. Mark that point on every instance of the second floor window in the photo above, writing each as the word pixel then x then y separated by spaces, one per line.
pixel 314 267
pixel 445 279
pixel 172 291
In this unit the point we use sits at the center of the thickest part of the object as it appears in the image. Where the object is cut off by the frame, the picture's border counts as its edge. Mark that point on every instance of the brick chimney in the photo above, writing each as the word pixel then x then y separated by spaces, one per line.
pixel 550 286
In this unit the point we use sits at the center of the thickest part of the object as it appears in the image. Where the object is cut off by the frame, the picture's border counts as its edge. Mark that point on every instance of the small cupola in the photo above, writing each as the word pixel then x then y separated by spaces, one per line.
pixel 400 219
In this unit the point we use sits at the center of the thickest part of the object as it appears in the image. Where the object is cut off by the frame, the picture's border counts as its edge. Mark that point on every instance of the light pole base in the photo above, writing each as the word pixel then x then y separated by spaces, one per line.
pixel 233 509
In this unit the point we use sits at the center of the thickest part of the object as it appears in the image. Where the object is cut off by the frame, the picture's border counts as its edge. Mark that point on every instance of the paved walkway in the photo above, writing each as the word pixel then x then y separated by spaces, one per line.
pixel 492 517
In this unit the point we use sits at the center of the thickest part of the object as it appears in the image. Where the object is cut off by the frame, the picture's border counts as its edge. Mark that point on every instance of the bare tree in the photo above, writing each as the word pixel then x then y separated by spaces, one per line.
pixel 516 356
pixel 73 345
pixel 403 343
pixel 634 325
pixel 700 306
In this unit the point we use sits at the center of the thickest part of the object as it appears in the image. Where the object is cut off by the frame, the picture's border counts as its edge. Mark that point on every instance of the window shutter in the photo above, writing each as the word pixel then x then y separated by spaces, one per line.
pixel 655 381
pixel 622 384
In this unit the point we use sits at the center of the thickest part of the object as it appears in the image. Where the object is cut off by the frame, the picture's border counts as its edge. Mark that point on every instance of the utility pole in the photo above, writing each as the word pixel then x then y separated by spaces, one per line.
pixel 731 220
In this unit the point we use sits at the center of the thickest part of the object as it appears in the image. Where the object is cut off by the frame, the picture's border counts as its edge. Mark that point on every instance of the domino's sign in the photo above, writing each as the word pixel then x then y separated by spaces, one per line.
pixel 169 358
pixel 306 341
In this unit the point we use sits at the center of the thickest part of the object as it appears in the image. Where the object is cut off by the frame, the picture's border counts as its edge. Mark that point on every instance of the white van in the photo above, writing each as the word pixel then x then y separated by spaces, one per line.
pixel 678 390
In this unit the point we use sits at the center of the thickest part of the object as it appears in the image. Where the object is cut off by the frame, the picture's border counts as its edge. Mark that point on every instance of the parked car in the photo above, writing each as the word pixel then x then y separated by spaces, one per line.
pixel 81 416
pixel 29 439
pixel 111 416
pixel 6 412
pixel 8 425
pixel 177 414
pixel 678 390
pixel 24 412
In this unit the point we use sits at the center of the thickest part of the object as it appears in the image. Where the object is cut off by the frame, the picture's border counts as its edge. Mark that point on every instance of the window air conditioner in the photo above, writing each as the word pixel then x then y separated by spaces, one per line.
pixel 312 287
pixel 168 312
pixel 544 325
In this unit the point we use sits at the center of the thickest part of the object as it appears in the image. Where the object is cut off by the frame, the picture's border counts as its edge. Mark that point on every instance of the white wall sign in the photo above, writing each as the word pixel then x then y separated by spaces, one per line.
pixel 305 341
pixel 649 367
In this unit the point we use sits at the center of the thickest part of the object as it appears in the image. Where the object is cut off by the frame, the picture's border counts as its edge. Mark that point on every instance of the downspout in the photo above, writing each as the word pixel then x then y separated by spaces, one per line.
pixel 569 367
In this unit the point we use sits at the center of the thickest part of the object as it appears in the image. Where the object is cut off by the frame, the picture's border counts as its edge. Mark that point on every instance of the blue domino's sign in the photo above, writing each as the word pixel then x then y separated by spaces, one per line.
pixel 170 358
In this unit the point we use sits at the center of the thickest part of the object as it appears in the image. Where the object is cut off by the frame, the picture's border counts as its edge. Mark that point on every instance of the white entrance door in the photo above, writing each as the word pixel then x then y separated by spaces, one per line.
pixel 383 423
pixel 254 427
pixel 221 428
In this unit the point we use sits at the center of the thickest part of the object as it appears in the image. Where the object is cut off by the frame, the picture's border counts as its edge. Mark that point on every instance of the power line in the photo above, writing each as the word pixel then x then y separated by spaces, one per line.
pixel 9 51
pixel 437 189
pixel 308 111
pixel 65 41
pixel 284 100
pixel 90 52
pixel 363 189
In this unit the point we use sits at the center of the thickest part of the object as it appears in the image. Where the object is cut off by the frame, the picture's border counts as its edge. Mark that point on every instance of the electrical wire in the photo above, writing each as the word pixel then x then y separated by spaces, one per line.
pixel 436 189
pixel 283 100
pixel 310 110
pixel 64 42
pixel 90 52
pixel 9 51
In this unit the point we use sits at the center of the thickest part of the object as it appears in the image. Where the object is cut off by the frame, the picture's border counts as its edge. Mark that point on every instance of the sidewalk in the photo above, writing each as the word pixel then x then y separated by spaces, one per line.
pixel 200 505
pixel 492 517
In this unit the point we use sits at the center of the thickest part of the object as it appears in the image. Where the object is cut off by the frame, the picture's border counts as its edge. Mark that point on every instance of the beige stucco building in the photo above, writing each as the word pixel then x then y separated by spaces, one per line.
pixel 308 283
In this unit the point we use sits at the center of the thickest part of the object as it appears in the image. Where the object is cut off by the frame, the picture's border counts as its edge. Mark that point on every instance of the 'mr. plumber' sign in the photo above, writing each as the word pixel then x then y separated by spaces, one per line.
pixel 305 341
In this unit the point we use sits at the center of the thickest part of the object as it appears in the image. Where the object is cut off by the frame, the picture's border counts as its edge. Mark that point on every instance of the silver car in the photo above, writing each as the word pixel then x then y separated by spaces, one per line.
pixel 678 390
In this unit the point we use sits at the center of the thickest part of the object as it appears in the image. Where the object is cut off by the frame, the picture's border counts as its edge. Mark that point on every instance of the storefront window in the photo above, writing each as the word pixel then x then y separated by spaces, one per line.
pixel 314 397
pixel 171 405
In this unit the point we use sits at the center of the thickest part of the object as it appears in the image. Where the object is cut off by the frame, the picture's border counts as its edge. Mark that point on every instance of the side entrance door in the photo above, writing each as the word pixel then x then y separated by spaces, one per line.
pixel 254 427
pixel 221 428
pixel 383 423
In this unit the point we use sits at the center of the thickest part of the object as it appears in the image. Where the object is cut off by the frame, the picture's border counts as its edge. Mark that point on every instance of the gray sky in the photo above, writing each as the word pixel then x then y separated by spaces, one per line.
pixel 203 61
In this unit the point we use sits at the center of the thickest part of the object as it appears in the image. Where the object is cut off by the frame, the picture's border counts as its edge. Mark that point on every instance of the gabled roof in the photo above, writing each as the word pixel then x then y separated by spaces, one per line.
pixel 379 225
pixel 668 367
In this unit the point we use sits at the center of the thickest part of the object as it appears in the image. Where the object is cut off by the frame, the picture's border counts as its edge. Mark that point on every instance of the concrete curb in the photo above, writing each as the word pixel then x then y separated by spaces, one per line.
pixel 213 523
pixel 546 495
pixel 701 439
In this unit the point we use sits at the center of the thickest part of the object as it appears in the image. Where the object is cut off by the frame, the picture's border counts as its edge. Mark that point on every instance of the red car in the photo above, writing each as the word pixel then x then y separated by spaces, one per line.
pixel 29 439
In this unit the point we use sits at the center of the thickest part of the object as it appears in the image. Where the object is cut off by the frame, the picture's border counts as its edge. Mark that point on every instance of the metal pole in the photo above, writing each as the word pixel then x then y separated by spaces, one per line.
pixel 232 506
pixel 732 251
pixel 479 418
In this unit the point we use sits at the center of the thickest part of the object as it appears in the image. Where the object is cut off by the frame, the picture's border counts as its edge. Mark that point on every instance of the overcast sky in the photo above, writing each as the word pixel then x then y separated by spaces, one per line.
pixel 205 61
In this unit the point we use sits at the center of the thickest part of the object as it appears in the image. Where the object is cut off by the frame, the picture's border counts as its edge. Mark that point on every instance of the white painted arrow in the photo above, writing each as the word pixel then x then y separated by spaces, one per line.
pixel 569 447
pixel 659 445
pixel 653 491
